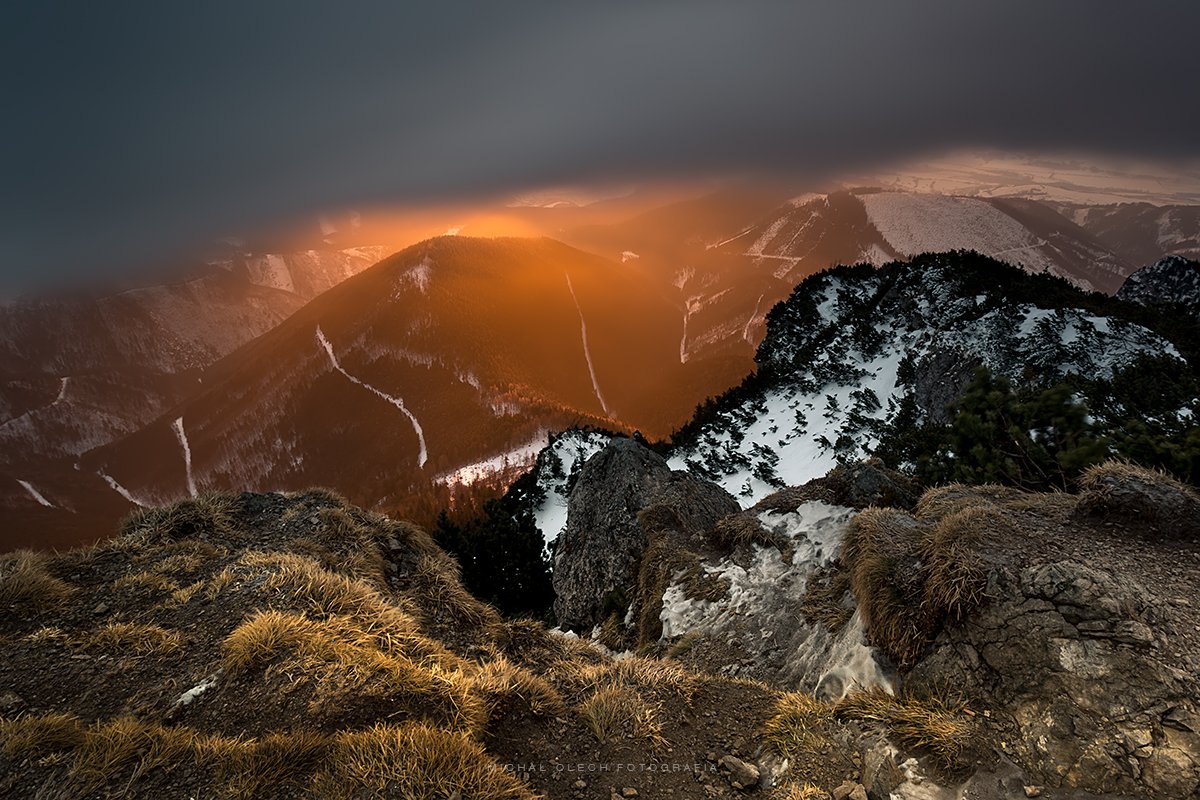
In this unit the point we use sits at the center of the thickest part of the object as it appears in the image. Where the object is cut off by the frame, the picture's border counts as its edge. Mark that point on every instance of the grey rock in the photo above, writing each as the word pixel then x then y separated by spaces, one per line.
pixel 598 554
pixel 880 774
pixel 1051 656
pixel 941 378
pixel 741 774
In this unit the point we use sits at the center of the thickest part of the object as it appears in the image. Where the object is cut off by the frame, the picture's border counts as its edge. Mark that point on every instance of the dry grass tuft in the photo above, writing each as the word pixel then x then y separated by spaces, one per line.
pixel 802 791
pixel 145 581
pixel 500 683
pixel 743 530
pixel 955 576
pixel 436 586
pixel 27 586
pixel 276 761
pixel 415 762
pixel 910 576
pixel 183 596
pixel 616 712
pixel 347 660
pixel 799 724
pixel 209 515
pixel 140 638
pixel 1118 488
pixel 937 725
pixel 825 597
pixel 952 498
pixel 34 737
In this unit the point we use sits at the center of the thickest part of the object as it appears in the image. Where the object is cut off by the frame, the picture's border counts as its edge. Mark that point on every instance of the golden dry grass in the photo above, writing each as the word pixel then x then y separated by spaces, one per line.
pixel 26 585
pixel 798 724
pixel 345 659
pixel 940 726
pixel 132 637
pixel 436 586
pixel 184 595
pixel 210 514
pixel 800 791
pixel 37 736
pixel 415 762
pixel 615 712
pixel 145 581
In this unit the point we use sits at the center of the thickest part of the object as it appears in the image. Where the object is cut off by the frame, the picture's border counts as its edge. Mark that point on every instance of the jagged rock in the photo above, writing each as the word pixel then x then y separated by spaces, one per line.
pixel 849 790
pixel 741 774
pixel 880 774
pixel 941 378
pixel 867 483
pixel 1052 651
pixel 1132 494
pixel 597 557
pixel 1173 280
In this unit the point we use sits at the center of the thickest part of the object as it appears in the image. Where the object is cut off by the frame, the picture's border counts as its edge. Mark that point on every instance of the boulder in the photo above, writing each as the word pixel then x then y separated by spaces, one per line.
pixel 1062 656
pixel 598 555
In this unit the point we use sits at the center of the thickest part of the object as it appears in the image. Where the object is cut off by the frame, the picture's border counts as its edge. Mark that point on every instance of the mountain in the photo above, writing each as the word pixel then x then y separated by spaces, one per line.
pixel 80 371
pixel 435 366
pixel 1173 281
pixel 857 354
pixel 1140 232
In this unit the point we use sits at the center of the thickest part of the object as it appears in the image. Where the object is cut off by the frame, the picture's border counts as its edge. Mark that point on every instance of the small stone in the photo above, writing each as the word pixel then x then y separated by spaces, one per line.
pixel 629 791
pixel 741 774
pixel 11 703
pixel 101 608
pixel 579 784
pixel 1033 791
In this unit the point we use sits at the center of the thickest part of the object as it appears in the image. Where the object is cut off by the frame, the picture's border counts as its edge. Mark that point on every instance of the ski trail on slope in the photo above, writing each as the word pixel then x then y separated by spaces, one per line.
pixel 177 425
pixel 586 352
pixel 35 494
pixel 423 455
pixel 119 489
pixel 749 322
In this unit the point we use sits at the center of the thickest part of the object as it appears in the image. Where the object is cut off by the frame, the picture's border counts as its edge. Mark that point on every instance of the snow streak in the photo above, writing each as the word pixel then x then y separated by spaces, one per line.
pixel 423 455
pixel 749 322
pixel 35 494
pixel 62 391
pixel 177 425
pixel 119 489
pixel 586 352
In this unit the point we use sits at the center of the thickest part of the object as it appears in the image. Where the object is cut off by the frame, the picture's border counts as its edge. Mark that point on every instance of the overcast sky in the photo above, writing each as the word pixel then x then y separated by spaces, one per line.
pixel 134 131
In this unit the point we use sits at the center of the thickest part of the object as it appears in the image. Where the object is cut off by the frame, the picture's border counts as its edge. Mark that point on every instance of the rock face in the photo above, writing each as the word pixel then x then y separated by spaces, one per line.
pixel 1174 280
pixel 598 555
pixel 1063 650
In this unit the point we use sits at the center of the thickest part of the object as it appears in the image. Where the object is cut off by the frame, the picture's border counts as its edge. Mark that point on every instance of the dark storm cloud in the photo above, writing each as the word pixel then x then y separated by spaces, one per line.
pixel 133 129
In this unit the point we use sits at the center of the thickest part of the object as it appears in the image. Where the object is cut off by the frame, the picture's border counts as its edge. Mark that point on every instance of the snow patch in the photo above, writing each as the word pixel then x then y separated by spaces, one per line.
pixel 119 489
pixel 35 494
pixel 586 352
pixel 759 613
pixel 181 435
pixel 423 454
pixel 521 456
pixel 629 255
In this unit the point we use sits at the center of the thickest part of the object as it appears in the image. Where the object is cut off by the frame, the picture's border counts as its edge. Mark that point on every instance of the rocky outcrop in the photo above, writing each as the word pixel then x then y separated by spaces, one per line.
pixel 597 558
pixel 1173 280
pixel 1069 632
pixel 857 485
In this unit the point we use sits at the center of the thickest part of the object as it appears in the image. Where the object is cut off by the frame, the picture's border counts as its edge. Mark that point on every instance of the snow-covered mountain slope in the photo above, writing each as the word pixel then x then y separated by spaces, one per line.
pixel 1173 280
pixel 1139 232
pixel 852 344
pixel 815 232
pixel 854 347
